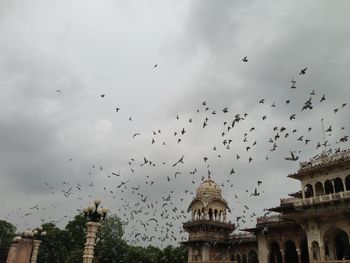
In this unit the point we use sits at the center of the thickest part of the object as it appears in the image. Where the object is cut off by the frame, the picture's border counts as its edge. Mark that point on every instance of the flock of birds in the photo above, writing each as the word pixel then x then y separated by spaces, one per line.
pixel 149 216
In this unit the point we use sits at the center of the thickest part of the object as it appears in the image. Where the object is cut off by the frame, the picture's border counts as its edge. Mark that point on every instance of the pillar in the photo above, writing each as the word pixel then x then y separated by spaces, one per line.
pixel 283 256
pixel 189 254
pixel 11 256
pixel 205 252
pixel 299 255
pixel 322 253
pixel 92 228
pixel 36 245
pixel 24 250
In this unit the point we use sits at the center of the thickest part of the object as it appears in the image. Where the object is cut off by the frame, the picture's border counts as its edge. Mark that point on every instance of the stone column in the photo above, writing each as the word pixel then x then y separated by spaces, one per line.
pixel 11 256
pixel 322 253
pixel 35 252
pixel 205 252
pixel 299 255
pixel 283 256
pixel 92 228
pixel 24 250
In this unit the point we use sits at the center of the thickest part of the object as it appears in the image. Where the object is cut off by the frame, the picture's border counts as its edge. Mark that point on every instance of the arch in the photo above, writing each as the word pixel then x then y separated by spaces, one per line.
pixel 337 241
pixel 291 254
pixel 253 256
pixel 338 185
pixel 319 189
pixel 275 254
pixel 244 258
pixel 199 214
pixel 347 183
pixel 309 191
pixel 210 214
pixel 215 214
pixel 238 258
pixel 315 250
pixel 328 187
pixel 304 251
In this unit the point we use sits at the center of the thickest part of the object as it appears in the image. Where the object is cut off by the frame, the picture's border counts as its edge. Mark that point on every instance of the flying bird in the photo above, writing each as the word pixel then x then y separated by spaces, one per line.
pixel 292 157
pixel 303 71
pixel 179 161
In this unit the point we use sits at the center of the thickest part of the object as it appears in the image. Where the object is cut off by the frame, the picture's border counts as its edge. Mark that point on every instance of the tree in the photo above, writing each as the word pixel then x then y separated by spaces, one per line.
pixel 55 246
pixel 7 233
pixel 110 247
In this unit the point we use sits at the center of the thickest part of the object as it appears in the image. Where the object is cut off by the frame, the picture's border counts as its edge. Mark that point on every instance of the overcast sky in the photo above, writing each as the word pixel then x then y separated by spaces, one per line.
pixel 57 132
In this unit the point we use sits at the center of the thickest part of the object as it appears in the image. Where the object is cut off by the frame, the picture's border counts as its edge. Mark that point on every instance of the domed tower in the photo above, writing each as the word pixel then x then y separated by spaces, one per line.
pixel 208 228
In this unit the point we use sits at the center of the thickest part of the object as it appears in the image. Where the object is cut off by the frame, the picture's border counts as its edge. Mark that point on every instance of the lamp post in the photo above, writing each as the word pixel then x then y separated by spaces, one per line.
pixel 37 235
pixel 94 214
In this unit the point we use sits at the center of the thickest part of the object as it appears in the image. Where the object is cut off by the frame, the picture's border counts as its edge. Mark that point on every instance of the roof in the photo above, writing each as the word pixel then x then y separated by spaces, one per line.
pixel 207 192
pixel 322 161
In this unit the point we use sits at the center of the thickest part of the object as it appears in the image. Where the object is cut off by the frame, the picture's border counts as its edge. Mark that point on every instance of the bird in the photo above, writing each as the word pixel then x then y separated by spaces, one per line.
pixel 179 161
pixel 135 134
pixel 245 59
pixel 303 71
pixel 323 98
pixel 155 65
pixel 292 158
pixel 102 95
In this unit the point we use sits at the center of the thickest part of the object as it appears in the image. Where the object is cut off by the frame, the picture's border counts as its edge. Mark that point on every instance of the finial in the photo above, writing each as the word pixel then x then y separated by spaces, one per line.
pixel 209 173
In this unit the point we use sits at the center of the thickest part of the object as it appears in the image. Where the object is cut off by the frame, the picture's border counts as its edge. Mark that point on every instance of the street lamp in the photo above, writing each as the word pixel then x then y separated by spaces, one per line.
pixel 94 214
pixel 37 235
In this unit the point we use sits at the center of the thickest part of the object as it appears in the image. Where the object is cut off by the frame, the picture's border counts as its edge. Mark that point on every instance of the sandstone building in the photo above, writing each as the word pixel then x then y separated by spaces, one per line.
pixel 312 225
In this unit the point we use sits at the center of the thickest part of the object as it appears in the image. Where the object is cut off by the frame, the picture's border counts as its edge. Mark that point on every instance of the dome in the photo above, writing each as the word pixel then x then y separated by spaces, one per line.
pixel 208 190
pixel 208 194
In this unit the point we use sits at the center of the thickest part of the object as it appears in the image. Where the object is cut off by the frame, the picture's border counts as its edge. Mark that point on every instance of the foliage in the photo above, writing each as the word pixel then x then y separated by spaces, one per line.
pixel 55 245
pixel 7 233
pixel 110 247
pixel 66 246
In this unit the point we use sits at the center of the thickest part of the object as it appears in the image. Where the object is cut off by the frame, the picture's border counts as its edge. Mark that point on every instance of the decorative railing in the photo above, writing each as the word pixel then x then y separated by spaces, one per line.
pixel 222 261
pixel 268 219
pixel 333 261
pixel 286 201
pixel 242 236
pixel 322 199
pixel 325 160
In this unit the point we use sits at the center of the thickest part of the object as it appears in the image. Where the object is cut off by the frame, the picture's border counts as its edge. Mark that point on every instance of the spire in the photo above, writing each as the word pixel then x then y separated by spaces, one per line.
pixel 209 173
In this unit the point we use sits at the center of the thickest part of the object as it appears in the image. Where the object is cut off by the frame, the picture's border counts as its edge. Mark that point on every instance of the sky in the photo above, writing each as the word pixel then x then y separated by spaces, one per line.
pixel 86 86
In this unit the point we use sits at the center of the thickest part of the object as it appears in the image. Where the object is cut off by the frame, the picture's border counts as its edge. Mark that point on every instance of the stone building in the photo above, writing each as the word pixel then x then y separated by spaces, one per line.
pixel 312 225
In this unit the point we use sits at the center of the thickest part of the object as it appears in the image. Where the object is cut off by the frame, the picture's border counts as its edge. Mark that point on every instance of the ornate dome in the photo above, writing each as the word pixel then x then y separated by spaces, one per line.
pixel 208 194
pixel 208 190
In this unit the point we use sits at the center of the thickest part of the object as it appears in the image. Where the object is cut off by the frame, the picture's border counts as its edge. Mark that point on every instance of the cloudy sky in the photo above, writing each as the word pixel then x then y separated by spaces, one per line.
pixel 58 133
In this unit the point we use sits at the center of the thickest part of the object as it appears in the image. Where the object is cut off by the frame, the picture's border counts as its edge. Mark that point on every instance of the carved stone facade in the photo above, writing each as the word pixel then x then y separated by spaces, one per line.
pixel 313 225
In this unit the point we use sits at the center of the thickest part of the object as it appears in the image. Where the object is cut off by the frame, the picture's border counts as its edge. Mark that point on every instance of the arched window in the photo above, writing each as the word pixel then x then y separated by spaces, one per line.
pixel 275 253
pixel 210 214
pixel 328 187
pixel 319 189
pixel 347 182
pixel 253 256
pixel 216 215
pixel 338 246
pixel 338 185
pixel 291 252
pixel 309 191
pixel 315 251
pixel 304 251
